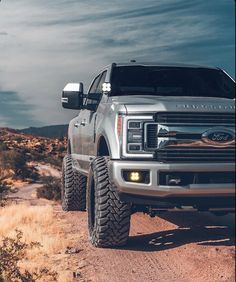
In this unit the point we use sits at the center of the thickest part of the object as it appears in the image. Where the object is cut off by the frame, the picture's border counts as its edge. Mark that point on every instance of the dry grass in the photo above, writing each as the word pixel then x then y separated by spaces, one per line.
pixel 38 224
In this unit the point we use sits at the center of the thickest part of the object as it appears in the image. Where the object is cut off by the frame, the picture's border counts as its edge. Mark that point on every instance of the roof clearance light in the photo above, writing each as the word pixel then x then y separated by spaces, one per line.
pixel 106 87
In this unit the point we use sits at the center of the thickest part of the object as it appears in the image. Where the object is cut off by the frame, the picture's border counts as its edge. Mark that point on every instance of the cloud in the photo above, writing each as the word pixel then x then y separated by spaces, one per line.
pixel 50 43
pixel 2 33
pixel 13 111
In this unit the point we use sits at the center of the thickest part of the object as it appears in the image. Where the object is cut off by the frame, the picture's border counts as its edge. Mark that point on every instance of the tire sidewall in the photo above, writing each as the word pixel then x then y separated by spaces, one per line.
pixel 91 204
pixel 63 184
pixel 73 188
pixel 108 226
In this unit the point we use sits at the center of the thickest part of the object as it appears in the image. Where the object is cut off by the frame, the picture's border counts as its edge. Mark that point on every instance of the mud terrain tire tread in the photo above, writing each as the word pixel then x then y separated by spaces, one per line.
pixel 111 223
pixel 73 187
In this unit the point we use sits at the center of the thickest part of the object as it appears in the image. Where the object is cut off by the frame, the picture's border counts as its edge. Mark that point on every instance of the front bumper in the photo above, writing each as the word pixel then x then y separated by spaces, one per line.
pixel 153 189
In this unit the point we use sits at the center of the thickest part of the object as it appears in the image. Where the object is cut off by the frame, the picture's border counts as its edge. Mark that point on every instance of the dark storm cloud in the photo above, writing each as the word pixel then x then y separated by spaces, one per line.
pixel 183 30
pixel 51 43
pixel 13 111
pixel 127 12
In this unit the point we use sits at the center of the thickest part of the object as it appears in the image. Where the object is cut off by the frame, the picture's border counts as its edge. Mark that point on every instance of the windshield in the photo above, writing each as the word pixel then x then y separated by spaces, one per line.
pixel 171 81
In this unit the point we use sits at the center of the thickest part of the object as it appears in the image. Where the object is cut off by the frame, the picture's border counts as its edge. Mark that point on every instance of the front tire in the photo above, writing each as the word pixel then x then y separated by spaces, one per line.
pixel 73 192
pixel 108 217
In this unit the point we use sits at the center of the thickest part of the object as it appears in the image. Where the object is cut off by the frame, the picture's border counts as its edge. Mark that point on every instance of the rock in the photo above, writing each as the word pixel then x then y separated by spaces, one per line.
pixel 77 274
pixel 71 250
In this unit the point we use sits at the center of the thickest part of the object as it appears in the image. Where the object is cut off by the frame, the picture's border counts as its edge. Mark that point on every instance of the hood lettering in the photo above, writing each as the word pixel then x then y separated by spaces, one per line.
pixel 205 107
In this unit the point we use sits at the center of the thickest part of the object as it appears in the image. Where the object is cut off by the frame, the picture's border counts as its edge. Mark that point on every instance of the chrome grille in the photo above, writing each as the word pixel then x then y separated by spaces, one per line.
pixel 178 137
pixel 195 118
pixel 195 155
pixel 151 136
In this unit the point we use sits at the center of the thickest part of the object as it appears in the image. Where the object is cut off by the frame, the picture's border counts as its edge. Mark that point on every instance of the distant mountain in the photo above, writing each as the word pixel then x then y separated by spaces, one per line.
pixel 52 131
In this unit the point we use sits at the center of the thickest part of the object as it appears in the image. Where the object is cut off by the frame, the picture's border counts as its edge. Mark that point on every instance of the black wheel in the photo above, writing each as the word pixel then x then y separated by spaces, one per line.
pixel 73 192
pixel 108 217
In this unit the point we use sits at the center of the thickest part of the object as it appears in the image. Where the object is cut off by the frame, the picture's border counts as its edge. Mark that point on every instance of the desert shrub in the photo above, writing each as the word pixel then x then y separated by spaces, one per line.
pixel 18 138
pixel 3 188
pixel 51 189
pixel 12 251
pixel 3 191
pixel 3 147
pixel 34 175
pixel 55 161
pixel 17 161
pixel 30 173
pixel 13 160
pixel 35 156
pixel 61 149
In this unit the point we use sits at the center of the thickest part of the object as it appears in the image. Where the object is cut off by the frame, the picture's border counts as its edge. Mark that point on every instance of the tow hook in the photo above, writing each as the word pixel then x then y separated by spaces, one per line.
pixel 152 212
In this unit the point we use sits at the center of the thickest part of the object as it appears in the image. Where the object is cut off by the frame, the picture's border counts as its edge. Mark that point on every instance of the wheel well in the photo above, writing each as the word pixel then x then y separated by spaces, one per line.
pixel 102 147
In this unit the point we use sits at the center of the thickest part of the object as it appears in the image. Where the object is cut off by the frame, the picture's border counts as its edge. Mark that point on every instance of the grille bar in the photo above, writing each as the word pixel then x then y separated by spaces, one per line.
pixel 195 155
pixel 195 118
pixel 151 136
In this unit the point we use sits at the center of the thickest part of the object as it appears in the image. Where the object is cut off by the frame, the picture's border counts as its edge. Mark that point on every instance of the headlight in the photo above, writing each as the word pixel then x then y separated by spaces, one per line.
pixel 133 136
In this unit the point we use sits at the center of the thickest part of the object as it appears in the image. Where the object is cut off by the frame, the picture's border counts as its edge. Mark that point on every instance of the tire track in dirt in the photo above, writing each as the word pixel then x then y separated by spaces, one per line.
pixel 201 248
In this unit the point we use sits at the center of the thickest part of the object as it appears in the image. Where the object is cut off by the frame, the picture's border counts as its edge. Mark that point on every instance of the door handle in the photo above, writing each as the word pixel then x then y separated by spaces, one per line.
pixel 77 125
pixel 83 123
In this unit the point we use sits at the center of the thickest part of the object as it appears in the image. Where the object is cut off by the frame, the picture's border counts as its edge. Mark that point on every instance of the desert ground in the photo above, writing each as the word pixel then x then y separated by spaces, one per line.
pixel 172 247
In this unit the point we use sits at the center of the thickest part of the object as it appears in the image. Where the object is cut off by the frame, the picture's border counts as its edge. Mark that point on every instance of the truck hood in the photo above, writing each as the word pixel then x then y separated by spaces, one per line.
pixel 134 104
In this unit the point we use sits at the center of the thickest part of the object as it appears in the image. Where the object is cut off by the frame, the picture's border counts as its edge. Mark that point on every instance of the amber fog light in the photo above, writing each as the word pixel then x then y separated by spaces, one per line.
pixel 138 176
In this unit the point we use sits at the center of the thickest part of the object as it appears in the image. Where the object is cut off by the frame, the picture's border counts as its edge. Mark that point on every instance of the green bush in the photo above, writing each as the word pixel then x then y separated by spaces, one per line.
pixel 17 161
pixel 3 191
pixel 18 139
pixel 51 189
pixel 13 160
pixel 12 251
pixel 30 173
pixel 55 161
pixel 3 147
pixel 3 187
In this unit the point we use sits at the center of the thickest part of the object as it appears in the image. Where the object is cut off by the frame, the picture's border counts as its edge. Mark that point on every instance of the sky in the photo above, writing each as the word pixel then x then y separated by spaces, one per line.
pixel 48 43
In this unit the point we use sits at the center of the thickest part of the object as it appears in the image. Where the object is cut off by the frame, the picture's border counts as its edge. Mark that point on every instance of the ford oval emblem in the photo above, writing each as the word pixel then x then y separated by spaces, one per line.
pixel 219 136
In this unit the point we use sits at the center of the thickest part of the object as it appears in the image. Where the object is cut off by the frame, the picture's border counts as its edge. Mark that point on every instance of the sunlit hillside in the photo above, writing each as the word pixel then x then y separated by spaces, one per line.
pixel 34 148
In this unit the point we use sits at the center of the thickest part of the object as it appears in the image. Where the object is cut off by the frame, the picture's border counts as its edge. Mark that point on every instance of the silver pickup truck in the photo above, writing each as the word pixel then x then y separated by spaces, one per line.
pixel 149 138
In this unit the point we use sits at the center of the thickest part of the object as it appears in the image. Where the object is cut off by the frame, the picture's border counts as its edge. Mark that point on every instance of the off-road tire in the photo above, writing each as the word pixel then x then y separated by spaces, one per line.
pixel 108 217
pixel 73 192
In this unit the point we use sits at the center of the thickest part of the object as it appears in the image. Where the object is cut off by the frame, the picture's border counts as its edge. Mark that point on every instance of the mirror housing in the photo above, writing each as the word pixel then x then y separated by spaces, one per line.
pixel 72 96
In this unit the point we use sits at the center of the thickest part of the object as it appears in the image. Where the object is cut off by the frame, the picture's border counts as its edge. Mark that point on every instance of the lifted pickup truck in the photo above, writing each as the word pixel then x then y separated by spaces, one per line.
pixel 149 138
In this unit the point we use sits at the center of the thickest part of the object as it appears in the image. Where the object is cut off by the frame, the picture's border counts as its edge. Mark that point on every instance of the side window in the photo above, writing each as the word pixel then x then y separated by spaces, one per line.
pixel 96 90
pixel 94 85
pixel 102 80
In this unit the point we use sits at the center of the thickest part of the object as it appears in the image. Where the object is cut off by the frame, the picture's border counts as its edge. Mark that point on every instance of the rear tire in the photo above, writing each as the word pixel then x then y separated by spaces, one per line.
pixel 108 217
pixel 73 192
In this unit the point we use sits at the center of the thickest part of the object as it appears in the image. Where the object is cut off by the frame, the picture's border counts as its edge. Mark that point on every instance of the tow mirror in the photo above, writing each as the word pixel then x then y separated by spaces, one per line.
pixel 72 96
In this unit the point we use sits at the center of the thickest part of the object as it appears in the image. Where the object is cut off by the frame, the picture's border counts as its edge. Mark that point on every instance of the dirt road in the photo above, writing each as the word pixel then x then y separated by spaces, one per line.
pixel 173 247
pixel 28 191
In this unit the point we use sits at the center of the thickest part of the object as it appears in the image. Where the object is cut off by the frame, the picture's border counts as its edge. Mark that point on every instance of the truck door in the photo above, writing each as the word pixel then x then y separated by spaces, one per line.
pixel 89 119
pixel 76 149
